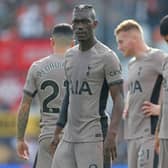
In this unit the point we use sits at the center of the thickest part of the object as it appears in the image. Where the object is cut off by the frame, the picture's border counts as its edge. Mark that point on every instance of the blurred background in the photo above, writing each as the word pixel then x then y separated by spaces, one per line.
pixel 25 27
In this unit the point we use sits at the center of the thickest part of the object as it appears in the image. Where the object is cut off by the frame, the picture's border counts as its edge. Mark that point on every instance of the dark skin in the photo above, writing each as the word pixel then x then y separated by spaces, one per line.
pixel 83 27
pixel 84 24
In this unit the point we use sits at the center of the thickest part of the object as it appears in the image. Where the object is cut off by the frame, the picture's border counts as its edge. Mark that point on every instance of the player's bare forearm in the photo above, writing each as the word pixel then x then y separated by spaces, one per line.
pixel 55 139
pixel 157 144
pixel 159 121
pixel 126 106
pixel 64 110
pixel 23 115
pixel 117 95
pixel 58 130
pixel 118 107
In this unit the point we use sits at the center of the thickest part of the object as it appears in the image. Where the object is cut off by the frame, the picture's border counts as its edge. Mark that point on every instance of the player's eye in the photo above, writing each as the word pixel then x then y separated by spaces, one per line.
pixel 83 21
pixel 86 21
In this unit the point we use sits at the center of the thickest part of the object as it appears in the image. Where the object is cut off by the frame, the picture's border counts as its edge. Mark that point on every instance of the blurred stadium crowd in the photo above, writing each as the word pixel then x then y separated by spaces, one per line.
pixel 25 27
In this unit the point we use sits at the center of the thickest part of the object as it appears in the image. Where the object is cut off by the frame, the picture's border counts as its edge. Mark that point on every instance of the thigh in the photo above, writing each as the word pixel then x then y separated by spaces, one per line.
pixel 44 158
pixel 147 157
pixel 89 155
pixel 132 153
pixel 64 156
pixel 163 154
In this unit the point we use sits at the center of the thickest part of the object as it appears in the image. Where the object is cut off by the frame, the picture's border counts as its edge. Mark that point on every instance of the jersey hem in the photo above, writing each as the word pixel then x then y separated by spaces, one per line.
pixel 82 141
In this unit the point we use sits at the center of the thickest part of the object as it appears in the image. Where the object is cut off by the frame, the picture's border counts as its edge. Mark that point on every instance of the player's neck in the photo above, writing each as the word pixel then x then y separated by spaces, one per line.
pixel 59 51
pixel 141 51
pixel 86 45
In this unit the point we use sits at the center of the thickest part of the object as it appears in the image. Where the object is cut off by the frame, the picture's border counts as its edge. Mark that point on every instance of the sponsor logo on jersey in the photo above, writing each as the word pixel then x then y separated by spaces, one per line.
pixel 79 88
pixel 135 87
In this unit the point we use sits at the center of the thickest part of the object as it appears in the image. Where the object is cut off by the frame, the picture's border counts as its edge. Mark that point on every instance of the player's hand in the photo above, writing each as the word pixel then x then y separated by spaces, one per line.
pixel 22 150
pixel 125 114
pixel 54 144
pixel 110 149
pixel 149 109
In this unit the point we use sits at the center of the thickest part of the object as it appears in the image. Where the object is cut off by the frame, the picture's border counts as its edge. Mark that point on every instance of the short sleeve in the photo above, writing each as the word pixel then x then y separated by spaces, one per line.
pixel 159 61
pixel 30 87
pixel 112 68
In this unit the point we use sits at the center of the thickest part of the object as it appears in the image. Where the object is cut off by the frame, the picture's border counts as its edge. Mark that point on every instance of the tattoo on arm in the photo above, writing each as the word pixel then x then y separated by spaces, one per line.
pixel 23 115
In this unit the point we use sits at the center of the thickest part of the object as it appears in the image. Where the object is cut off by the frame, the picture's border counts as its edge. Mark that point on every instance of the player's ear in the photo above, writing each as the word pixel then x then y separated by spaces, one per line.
pixel 73 43
pixel 52 42
pixel 95 23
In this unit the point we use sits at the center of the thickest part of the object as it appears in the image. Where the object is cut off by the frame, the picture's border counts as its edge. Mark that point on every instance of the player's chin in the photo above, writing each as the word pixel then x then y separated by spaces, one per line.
pixel 82 38
pixel 127 54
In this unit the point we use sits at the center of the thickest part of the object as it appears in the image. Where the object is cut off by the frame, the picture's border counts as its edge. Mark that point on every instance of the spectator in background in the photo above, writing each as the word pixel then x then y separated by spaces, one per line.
pixel 153 13
pixel 30 22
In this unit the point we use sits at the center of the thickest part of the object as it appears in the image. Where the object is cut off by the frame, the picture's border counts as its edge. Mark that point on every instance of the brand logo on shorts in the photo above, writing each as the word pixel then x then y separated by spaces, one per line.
pixel 93 166
pixel 79 88
pixel 98 135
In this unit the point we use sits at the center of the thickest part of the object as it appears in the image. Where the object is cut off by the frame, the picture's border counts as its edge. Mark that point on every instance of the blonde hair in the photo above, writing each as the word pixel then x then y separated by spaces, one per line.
pixel 128 25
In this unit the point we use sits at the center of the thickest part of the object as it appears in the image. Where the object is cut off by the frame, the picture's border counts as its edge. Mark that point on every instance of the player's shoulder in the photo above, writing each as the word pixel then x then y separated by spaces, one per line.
pixel 38 63
pixel 104 51
pixel 165 62
pixel 131 61
pixel 101 48
pixel 156 51
pixel 71 51
pixel 41 60
pixel 157 55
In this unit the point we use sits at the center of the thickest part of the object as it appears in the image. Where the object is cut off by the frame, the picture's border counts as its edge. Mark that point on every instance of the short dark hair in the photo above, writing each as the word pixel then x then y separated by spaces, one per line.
pixel 62 29
pixel 86 7
pixel 164 26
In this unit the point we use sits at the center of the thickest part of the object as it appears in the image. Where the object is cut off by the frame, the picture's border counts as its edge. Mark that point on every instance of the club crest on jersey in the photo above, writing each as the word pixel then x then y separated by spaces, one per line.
pixel 79 88
pixel 139 71
pixel 88 71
